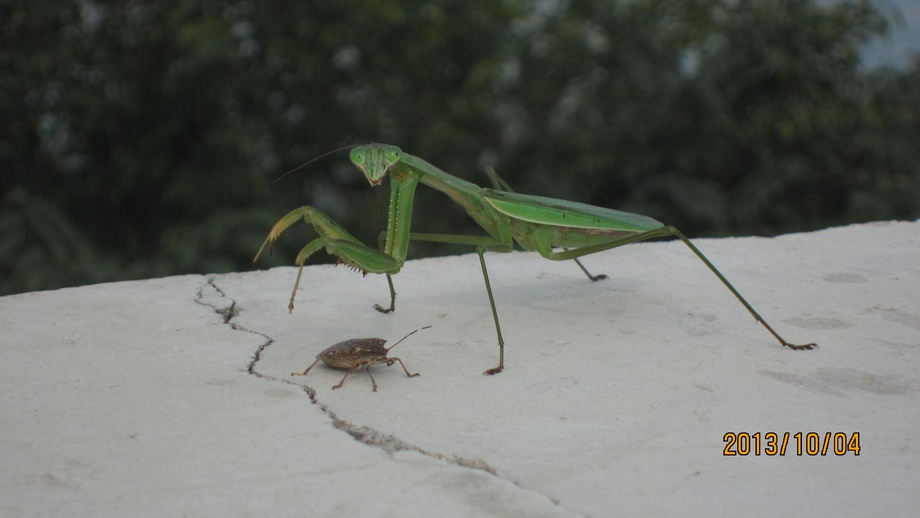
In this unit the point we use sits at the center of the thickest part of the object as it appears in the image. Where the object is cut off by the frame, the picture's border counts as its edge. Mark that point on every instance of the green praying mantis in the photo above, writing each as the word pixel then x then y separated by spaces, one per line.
pixel 556 229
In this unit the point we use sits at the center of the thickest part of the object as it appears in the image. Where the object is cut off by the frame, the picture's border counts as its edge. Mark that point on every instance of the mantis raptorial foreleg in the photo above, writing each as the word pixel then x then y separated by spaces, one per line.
pixel 336 240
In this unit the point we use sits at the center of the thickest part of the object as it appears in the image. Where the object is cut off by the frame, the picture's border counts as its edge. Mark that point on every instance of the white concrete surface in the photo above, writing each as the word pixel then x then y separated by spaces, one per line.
pixel 138 399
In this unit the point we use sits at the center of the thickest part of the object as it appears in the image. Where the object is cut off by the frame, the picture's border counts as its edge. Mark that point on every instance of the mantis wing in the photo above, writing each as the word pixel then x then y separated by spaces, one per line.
pixel 562 213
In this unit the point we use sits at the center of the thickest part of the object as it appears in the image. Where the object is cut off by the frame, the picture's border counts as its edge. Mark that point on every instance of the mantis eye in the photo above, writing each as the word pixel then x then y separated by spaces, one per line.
pixel 357 156
pixel 393 155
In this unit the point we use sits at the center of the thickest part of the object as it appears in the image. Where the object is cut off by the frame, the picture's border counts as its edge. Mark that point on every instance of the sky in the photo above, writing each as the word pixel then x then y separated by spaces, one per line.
pixel 903 40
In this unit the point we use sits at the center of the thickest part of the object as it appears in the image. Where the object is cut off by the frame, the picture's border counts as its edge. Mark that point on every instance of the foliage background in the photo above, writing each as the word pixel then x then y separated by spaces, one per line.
pixel 141 138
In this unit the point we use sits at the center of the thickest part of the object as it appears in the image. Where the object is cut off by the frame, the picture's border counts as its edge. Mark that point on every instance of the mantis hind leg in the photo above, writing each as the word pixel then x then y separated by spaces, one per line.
pixel 598 277
pixel 498 327
pixel 665 231
pixel 673 231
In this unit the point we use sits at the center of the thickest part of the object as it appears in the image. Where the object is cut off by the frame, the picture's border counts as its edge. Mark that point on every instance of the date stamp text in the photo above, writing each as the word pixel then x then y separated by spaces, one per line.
pixel 810 444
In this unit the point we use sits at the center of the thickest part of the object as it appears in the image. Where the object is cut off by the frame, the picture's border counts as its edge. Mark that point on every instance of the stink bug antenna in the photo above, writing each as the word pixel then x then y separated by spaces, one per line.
pixel 407 336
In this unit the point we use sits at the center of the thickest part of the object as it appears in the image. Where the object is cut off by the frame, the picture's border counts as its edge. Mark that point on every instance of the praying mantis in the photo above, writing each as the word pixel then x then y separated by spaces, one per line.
pixel 556 229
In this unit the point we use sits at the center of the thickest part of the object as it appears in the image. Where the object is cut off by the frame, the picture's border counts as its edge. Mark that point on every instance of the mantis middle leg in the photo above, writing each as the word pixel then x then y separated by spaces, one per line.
pixel 500 243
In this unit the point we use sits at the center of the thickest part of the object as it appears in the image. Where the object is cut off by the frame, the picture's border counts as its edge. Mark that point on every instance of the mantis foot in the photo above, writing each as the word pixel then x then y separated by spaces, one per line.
pixel 382 309
pixel 597 277
pixel 493 371
pixel 804 347
pixel 392 308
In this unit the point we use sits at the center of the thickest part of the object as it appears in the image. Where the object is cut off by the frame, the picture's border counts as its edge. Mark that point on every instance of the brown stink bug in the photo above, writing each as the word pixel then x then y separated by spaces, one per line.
pixel 359 352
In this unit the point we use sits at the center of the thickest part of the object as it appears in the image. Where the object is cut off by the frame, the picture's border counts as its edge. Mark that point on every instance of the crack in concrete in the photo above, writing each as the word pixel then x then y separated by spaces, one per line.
pixel 228 313
pixel 391 444
pixel 362 434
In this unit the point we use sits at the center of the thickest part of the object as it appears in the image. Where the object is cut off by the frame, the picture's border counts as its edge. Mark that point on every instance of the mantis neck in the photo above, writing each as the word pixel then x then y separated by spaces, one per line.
pixel 406 175
pixel 404 178
pixel 459 190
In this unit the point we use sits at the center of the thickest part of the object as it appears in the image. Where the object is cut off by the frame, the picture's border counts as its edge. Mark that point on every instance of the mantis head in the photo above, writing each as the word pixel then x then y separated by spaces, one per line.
pixel 375 160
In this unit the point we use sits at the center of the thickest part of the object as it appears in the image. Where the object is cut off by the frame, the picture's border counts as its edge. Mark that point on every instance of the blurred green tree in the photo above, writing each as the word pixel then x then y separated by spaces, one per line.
pixel 141 138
